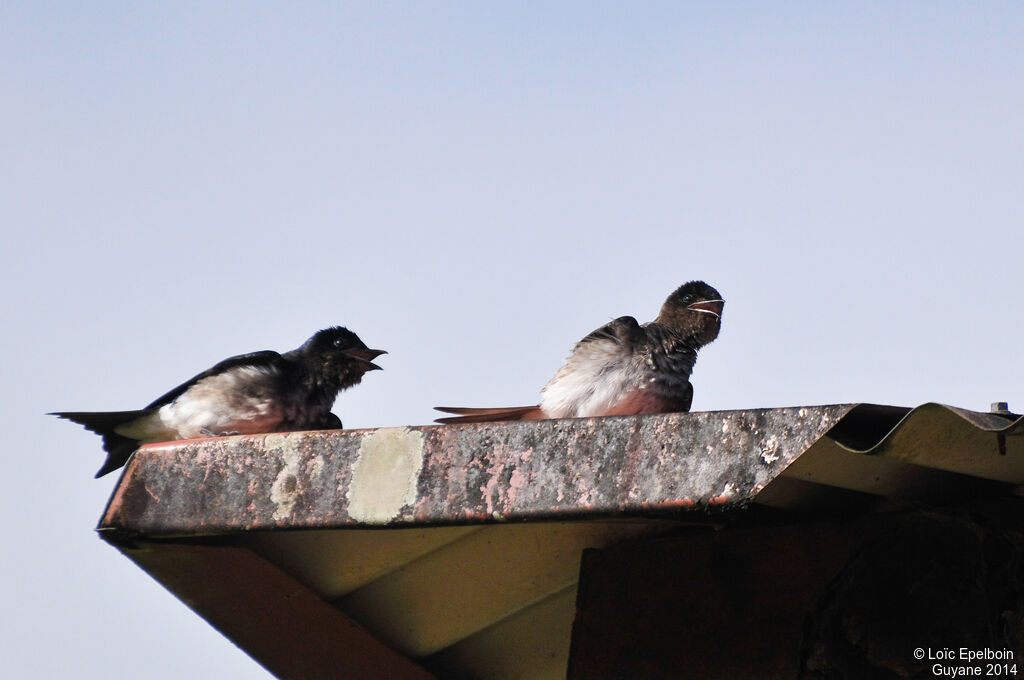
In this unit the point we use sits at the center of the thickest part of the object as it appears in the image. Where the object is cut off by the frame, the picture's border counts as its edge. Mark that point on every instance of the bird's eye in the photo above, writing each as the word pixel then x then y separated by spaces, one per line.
pixel 339 342
pixel 687 299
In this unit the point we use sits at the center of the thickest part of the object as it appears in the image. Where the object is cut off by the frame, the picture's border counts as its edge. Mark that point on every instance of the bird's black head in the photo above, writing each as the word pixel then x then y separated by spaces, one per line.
pixel 694 310
pixel 339 356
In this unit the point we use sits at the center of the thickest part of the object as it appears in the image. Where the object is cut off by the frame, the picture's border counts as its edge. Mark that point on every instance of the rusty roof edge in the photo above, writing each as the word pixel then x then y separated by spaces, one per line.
pixel 467 474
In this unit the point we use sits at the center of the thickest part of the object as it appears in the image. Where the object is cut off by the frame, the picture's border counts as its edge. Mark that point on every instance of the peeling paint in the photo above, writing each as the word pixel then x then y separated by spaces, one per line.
pixel 316 467
pixel 488 489
pixel 770 450
pixel 725 497
pixel 284 490
pixel 516 483
pixel 385 475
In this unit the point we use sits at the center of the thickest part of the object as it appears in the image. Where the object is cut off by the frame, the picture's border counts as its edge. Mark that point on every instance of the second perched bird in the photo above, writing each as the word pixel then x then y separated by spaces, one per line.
pixel 247 394
pixel 624 368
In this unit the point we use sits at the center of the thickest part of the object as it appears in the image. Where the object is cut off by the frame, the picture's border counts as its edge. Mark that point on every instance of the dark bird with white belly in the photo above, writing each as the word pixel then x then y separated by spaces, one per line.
pixel 246 394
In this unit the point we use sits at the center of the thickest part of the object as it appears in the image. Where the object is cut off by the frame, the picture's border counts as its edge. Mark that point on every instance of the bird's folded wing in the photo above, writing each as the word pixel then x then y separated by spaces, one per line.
pixel 624 331
pixel 255 359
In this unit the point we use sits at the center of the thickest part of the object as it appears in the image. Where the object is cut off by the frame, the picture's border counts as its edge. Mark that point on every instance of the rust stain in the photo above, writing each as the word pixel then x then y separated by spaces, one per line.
pixel 680 503
pixel 488 489
pixel 517 482
pixel 150 492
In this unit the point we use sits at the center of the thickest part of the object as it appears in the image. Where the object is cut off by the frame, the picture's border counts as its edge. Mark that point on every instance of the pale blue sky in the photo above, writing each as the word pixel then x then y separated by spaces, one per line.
pixel 473 188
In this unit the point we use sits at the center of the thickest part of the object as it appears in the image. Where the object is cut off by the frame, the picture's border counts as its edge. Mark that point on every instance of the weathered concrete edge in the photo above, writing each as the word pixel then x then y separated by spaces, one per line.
pixel 486 472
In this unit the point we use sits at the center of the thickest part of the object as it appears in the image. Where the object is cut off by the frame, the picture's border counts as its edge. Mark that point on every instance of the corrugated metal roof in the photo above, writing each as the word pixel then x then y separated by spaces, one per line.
pixel 459 546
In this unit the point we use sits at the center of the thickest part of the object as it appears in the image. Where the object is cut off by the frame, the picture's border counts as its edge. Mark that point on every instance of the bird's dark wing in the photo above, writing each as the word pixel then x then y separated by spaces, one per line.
pixel 625 331
pixel 330 422
pixel 254 359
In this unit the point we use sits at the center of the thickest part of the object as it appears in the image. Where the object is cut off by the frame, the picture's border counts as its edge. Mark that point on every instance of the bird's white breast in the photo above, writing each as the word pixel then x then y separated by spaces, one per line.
pixel 597 376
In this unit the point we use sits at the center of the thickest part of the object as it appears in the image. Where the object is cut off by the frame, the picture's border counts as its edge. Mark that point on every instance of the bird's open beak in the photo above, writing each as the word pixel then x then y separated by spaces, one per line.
pixel 367 356
pixel 709 307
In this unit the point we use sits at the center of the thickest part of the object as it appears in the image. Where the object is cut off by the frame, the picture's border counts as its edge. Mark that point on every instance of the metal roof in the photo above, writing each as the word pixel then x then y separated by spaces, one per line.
pixel 381 553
